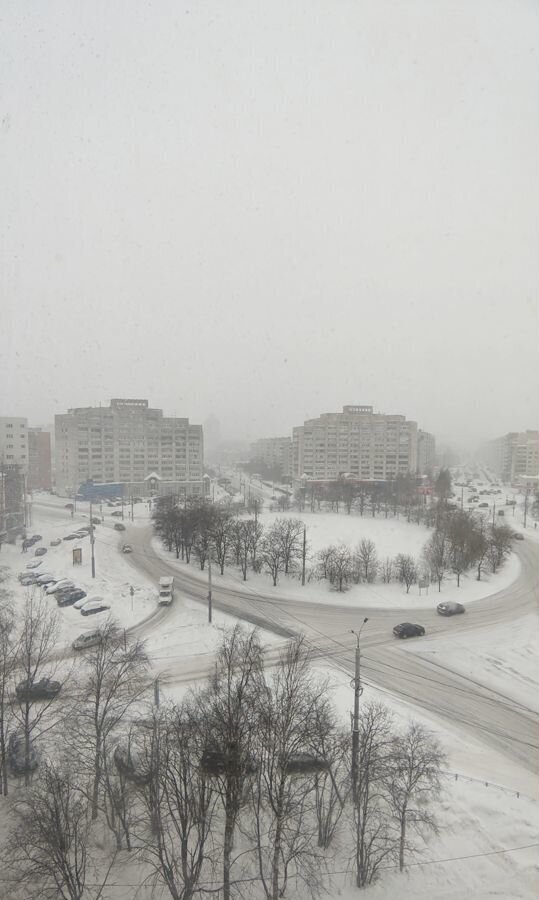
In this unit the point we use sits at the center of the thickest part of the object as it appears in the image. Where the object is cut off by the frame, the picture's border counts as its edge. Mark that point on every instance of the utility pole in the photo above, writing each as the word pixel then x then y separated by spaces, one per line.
pixel 358 690
pixel 122 506
pixel 303 556
pixel 209 588
pixel 132 510
pixel 92 540
pixel 156 691
pixel 462 498
pixel 494 513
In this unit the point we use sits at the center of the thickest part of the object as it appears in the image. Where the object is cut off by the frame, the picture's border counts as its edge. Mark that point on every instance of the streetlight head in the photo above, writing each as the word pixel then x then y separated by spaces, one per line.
pixel 366 619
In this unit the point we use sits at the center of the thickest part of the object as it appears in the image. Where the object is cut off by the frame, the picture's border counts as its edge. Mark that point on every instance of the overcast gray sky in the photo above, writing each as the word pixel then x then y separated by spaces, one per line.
pixel 266 210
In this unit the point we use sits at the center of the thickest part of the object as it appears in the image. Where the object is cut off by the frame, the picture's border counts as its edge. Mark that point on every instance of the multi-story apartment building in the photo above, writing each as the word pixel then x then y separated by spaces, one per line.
pixel 39 460
pixel 275 453
pixel 130 444
pixel 359 442
pixel 14 442
pixel 426 452
pixel 514 456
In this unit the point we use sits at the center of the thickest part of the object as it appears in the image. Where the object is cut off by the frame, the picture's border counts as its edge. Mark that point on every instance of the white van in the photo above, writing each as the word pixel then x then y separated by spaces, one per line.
pixel 166 590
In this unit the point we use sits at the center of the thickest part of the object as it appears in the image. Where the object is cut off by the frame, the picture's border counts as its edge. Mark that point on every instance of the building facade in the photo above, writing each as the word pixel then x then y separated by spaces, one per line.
pixel 275 453
pixel 426 452
pixel 514 456
pixel 356 442
pixel 39 460
pixel 128 443
pixel 14 442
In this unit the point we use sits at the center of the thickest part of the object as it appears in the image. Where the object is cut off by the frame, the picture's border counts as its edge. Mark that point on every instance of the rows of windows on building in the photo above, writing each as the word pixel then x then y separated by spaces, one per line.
pixel 131 444
pixel 514 457
pixel 356 442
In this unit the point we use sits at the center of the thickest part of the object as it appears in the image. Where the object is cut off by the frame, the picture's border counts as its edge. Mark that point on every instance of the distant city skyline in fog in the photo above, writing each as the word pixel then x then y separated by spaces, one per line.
pixel 268 212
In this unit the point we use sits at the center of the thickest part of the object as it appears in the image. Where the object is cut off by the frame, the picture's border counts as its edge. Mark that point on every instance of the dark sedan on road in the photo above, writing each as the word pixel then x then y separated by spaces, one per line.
pixel 450 608
pixel 119 527
pixel 40 551
pixel 44 689
pixel 408 629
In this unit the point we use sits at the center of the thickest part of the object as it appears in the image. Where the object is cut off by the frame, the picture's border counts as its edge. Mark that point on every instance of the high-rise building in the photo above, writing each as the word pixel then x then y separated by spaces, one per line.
pixel 275 453
pixel 14 442
pixel 426 452
pixel 129 444
pixel 514 456
pixel 358 442
pixel 39 460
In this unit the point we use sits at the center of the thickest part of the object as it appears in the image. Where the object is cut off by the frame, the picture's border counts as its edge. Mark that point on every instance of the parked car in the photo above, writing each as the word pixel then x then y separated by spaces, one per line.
pixel 36 537
pixel 83 600
pixel 34 564
pixel 450 608
pixel 70 597
pixel 40 551
pixel 118 526
pixel 483 506
pixel 46 578
pixel 18 762
pixel 127 548
pixel 501 512
pixel 71 537
pixel 27 578
pixel 95 521
pixel 94 606
pixel 518 536
pixel 117 512
pixel 89 639
pixel 60 585
pixel 44 689
pixel 68 506
pixel 407 629
pixel 56 542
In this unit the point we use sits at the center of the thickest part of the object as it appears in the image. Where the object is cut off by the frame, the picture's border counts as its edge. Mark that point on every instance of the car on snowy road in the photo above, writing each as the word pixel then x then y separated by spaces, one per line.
pixel 88 639
pixel 408 629
pixel 450 608
pixel 34 564
pixel 70 597
pixel 44 689
pixel 56 542
pixel 119 527
pixel 40 551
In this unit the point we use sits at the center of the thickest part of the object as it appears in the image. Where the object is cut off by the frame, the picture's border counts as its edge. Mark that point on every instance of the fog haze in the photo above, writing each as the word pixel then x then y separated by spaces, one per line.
pixel 268 210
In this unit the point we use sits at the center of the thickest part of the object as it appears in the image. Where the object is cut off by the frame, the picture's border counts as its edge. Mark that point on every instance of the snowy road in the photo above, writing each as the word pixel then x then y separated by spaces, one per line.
pixel 401 669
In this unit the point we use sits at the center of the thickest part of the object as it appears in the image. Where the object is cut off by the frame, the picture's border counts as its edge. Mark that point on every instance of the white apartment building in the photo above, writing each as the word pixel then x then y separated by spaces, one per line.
pixel 357 441
pixel 514 456
pixel 273 452
pixel 131 444
pixel 14 442
pixel 426 452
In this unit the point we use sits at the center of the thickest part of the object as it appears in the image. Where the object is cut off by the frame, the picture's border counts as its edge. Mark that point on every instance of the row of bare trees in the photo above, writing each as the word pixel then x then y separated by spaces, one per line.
pixel 242 788
pixel 202 529
pixel 461 542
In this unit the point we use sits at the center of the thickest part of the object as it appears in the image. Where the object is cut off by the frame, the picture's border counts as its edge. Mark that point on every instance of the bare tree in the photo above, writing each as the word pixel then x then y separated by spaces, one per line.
pixel 48 853
pixel 437 556
pixel 221 535
pixel 293 712
pixel 35 642
pixel 114 681
pixel 7 667
pixel 340 567
pixel 500 543
pixel 272 552
pixel 416 762
pixel 331 785
pixel 228 708
pixel 387 569
pixel 290 536
pixel 374 842
pixel 179 801
pixel 406 570
pixel 479 546
pixel 367 560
